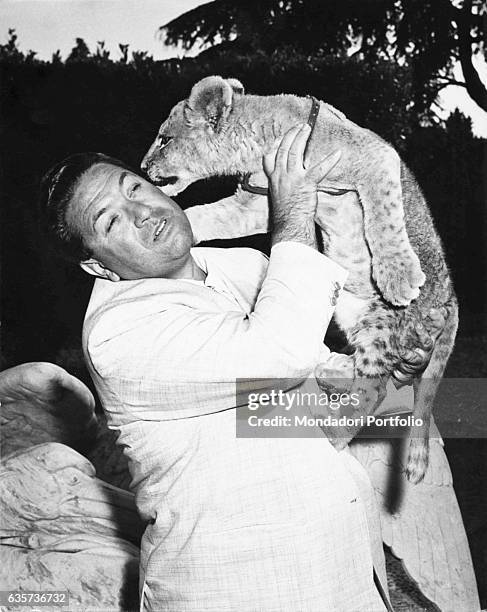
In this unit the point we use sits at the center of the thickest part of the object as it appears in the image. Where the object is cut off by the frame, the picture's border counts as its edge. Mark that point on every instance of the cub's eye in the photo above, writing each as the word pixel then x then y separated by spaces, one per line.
pixel 133 189
pixel 163 141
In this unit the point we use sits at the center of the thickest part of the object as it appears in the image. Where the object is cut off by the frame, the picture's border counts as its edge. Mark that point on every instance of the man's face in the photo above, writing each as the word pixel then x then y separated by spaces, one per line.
pixel 130 226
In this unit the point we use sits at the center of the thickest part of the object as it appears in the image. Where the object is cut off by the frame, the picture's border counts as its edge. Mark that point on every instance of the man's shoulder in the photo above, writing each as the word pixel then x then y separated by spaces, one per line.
pixel 115 308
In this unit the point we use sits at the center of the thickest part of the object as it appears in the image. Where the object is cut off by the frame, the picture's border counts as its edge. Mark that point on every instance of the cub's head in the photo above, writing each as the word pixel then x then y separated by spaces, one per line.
pixel 192 143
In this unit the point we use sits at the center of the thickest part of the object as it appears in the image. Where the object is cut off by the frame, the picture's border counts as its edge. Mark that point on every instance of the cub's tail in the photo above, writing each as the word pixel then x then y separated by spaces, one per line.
pixel 424 394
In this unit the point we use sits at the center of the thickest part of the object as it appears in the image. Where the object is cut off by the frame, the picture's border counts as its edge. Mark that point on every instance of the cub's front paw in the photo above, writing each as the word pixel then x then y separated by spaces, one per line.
pixel 399 278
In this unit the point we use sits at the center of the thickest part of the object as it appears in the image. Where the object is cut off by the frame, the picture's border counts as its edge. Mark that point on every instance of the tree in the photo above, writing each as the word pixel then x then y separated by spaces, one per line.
pixel 429 35
pixel 11 52
pixel 80 52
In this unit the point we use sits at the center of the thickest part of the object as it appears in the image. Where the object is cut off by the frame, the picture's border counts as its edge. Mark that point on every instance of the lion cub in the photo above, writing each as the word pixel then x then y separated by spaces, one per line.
pixel 381 231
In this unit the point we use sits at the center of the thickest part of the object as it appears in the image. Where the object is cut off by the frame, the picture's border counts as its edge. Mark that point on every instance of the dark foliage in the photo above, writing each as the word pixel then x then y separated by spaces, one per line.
pixel 89 102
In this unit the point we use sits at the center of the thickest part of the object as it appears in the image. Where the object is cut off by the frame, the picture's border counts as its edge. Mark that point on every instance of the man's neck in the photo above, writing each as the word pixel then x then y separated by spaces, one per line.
pixel 189 271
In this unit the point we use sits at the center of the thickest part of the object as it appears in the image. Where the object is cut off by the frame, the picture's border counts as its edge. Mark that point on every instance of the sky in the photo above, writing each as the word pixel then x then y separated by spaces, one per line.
pixel 48 25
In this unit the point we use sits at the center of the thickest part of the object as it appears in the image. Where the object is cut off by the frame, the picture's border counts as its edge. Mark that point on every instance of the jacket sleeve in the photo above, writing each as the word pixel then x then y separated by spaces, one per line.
pixel 184 361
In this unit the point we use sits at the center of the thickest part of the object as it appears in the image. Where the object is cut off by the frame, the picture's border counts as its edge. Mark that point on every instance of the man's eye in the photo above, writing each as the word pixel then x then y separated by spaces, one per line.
pixel 112 222
pixel 133 189
pixel 163 141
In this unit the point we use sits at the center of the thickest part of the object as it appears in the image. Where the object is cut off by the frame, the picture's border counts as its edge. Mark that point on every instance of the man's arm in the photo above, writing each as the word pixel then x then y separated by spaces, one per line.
pixel 186 361
pixel 183 361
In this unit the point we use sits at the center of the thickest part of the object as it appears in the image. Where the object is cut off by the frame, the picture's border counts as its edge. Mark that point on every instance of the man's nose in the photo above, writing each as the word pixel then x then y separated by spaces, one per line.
pixel 142 215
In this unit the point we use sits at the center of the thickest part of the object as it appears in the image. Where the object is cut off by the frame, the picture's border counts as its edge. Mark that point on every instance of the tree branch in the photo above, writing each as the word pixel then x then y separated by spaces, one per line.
pixel 446 82
pixel 476 20
pixel 475 88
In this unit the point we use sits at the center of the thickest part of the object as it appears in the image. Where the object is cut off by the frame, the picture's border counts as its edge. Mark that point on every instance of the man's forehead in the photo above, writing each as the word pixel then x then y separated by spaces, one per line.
pixel 94 187
pixel 98 180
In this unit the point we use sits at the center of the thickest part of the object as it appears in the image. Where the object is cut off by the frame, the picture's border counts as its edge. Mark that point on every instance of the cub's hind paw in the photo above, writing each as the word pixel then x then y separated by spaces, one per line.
pixel 417 460
pixel 399 278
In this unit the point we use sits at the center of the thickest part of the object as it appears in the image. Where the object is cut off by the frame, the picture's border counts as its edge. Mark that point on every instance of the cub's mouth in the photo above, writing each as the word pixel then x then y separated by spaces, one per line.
pixel 162 181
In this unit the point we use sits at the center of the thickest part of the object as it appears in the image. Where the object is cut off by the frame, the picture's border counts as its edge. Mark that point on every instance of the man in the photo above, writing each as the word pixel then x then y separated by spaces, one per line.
pixel 232 523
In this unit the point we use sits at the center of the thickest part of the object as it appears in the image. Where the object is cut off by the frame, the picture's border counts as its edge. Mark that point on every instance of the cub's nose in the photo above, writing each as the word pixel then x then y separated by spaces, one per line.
pixel 144 166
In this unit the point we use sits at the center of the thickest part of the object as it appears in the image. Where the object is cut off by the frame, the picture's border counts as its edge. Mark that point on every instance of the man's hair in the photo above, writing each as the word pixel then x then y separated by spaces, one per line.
pixel 56 192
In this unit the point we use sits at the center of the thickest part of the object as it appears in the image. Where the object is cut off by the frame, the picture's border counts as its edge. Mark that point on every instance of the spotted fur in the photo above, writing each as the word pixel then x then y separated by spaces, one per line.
pixel 381 231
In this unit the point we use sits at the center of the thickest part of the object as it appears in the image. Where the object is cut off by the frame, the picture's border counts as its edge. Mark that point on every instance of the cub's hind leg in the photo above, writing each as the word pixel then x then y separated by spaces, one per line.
pixel 395 266
pixel 374 359
pixel 424 394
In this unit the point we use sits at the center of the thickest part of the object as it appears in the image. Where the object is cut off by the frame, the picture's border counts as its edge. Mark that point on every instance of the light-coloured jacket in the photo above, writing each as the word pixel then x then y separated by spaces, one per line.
pixel 233 523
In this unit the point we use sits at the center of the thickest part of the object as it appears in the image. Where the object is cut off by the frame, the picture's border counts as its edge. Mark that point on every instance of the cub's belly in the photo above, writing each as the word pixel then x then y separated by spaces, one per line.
pixel 341 220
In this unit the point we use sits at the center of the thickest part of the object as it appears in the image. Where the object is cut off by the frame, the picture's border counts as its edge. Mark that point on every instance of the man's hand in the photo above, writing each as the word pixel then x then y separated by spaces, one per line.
pixel 336 374
pixel 414 360
pixel 293 187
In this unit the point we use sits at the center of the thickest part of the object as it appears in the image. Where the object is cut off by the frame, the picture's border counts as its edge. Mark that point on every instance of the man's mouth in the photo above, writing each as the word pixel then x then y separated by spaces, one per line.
pixel 160 226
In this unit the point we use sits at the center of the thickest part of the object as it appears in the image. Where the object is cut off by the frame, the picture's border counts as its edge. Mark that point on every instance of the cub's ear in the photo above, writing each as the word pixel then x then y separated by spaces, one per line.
pixel 210 101
pixel 237 86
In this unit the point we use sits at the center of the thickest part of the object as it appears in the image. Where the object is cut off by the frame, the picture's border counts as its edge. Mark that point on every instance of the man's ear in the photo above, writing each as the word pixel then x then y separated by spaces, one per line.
pixel 95 268
pixel 210 102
